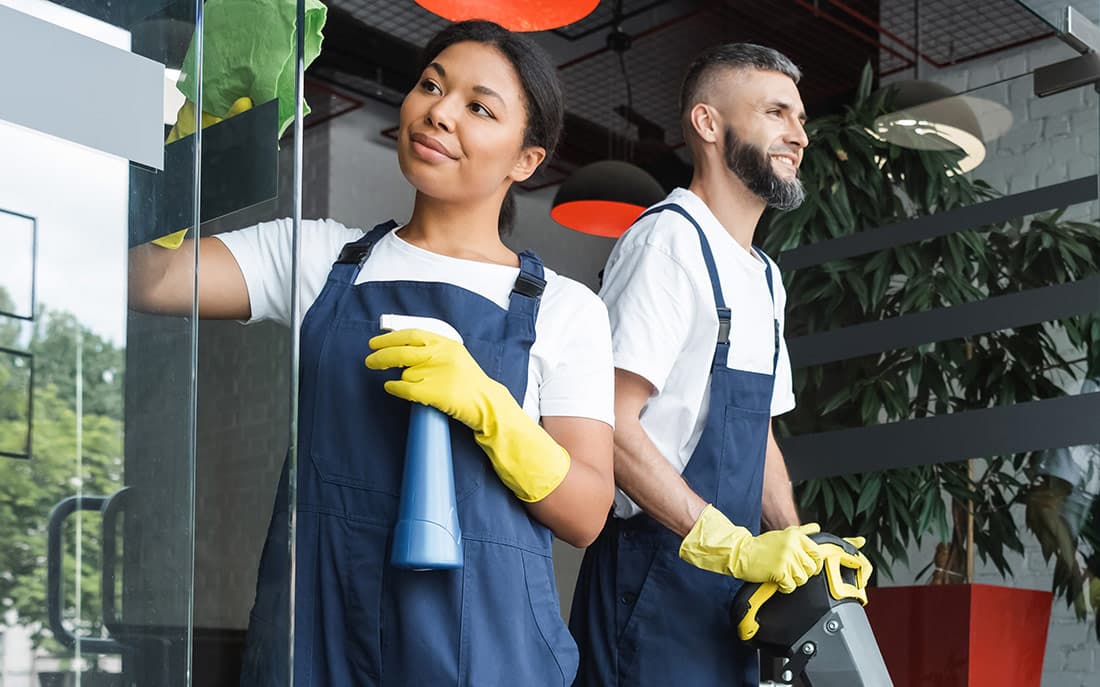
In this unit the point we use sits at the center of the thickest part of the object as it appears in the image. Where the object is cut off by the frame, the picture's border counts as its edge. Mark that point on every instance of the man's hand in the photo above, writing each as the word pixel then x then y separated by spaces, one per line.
pixel 786 557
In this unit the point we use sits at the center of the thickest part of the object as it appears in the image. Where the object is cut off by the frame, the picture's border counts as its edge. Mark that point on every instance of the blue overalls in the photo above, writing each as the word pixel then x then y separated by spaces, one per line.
pixel 641 615
pixel 358 620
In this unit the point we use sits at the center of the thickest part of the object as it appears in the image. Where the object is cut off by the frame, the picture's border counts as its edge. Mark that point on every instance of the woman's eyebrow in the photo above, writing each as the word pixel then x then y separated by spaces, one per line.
pixel 485 90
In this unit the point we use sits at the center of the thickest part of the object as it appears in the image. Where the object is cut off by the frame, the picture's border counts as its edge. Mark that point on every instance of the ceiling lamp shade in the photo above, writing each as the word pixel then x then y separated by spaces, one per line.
pixel 930 116
pixel 604 198
pixel 514 15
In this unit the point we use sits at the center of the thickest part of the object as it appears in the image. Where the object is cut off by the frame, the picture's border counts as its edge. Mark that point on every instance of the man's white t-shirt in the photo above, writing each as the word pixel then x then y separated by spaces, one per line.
pixel 569 370
pixel 664 323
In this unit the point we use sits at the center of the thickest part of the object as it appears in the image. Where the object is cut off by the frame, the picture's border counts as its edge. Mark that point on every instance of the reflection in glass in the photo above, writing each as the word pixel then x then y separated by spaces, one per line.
pixel 17 242
pixel 16 381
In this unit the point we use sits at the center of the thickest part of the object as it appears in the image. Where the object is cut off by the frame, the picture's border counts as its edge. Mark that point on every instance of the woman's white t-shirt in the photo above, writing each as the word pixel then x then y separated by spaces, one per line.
pixel 569 371
pixel 664 324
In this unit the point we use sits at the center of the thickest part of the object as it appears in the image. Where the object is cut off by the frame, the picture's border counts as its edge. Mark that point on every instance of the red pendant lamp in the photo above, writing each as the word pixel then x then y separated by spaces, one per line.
pixel 514 15
pixel 605 197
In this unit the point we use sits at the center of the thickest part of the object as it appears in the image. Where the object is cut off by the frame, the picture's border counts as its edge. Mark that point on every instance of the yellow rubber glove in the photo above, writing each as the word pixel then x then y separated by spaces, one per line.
pixel 441 373
pixel 185 118
pixel 786 557
pixel 185 126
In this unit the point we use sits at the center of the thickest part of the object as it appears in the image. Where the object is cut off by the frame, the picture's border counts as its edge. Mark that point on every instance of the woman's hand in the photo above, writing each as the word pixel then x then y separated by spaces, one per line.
pixel 441 373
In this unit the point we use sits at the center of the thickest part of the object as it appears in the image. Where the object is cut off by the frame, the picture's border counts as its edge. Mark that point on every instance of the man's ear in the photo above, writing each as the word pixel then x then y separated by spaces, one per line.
pixel 704 121
pixel 529 160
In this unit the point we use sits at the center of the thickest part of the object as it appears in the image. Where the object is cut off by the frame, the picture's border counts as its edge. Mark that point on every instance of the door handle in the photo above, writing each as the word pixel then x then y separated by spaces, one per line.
pixel 112 506
pixel 55 595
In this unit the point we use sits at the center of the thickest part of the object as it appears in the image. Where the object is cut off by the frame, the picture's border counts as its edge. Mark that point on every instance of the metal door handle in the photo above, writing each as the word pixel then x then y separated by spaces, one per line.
pixel 113 505
pixel 54 583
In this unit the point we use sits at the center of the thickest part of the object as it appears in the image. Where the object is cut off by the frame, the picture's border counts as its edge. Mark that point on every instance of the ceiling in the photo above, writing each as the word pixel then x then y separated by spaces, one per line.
pixel 371 51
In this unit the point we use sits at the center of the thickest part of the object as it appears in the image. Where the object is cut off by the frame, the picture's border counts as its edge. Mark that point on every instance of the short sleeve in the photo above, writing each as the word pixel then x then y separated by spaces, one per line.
pixel 783 400
pixel 651 304
pixel 264 253
pixel 581 381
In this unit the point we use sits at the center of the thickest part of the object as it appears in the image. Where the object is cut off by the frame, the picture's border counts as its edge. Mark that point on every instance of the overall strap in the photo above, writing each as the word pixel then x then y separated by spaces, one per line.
pixel 354 254
pixel 721 352
pixel 527 291
pixel 775 318
pixel 519 323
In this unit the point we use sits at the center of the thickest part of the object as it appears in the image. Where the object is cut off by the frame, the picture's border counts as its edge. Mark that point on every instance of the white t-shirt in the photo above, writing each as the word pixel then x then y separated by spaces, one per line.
pixel 664 324
pixel 569 372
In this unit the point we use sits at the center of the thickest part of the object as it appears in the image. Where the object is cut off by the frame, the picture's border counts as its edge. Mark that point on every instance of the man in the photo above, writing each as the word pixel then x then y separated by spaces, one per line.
pixel 701 367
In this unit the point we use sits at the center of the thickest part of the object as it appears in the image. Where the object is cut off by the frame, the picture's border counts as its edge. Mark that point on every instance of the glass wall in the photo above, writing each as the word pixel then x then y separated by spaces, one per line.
pixel 139 452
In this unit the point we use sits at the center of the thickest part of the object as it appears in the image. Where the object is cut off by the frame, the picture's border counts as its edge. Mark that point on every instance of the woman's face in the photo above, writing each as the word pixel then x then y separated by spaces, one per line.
pixel 462 126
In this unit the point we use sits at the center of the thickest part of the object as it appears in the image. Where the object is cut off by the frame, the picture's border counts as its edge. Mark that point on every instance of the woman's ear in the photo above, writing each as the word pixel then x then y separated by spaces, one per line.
pixel 529 160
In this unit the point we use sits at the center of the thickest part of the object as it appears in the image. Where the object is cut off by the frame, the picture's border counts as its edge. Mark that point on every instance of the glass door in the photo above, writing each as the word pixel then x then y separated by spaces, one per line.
pixel 98 404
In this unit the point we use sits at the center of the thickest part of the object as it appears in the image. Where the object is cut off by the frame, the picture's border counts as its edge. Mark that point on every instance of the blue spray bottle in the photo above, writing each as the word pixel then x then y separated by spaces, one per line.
pixel 427 535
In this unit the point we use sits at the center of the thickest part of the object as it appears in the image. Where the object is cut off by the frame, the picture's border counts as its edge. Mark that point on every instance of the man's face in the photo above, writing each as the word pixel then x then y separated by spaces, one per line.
pixel 764 135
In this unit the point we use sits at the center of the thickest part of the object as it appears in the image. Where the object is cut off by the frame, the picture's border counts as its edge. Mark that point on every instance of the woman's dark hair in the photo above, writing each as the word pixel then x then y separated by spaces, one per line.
pixel 536 73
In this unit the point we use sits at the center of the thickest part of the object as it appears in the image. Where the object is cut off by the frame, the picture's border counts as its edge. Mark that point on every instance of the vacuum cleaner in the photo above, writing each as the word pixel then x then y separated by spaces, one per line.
pixel 820 628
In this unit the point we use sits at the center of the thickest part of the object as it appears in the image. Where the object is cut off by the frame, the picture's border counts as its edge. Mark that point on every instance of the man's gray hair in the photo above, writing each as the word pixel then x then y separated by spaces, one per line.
pixel 731 56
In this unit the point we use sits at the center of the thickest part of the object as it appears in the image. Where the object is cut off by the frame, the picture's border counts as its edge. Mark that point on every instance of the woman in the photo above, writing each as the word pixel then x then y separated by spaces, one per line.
pixel 486 112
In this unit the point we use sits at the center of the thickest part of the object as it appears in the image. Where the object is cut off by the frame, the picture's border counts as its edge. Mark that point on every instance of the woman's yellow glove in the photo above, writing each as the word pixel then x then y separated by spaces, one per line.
pixel 441 373
pixel 185 126
pixel 786 557
pixel 185 118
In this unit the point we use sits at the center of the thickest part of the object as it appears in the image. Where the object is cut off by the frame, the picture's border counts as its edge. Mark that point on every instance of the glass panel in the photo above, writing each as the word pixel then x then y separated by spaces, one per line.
pixel 96 534
pixel 963 237
pixel 246 373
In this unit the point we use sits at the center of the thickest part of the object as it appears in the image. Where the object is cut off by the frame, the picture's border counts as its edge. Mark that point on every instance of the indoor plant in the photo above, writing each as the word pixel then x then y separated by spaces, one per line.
pixel 855 182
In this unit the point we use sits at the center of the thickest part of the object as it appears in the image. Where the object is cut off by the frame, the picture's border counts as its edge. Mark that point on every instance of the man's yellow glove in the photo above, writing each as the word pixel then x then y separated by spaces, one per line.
pixel 441 373
pixel 786 557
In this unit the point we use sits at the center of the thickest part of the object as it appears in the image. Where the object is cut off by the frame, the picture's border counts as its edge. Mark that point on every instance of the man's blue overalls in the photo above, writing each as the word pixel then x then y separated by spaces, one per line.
pixel 641 615
pixel 358 621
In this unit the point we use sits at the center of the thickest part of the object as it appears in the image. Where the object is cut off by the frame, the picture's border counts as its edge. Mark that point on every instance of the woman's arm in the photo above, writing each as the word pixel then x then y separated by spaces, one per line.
pixel 577 509
pixel 162 281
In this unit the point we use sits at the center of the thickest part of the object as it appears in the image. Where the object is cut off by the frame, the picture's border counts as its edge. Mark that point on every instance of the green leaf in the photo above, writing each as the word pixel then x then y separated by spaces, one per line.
pixel 829 497
pixel 866 80
pixel 844 498
pixel 840 398
pixel 868 496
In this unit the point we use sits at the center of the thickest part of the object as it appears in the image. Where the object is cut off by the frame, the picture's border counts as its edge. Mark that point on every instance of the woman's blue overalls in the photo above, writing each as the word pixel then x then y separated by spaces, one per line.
pixel 358 620
pixel 641 615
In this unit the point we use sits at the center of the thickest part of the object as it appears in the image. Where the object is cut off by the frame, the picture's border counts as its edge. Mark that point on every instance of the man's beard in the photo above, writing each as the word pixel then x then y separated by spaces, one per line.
pixel 754 168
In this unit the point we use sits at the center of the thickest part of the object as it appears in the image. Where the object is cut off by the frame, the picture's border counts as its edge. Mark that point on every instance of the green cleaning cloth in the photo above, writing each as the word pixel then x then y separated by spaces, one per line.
pixel 248 50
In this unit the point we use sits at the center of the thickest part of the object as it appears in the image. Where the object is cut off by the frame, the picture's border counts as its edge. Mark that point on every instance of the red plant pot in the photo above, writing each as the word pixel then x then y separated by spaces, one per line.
pixel 961 635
